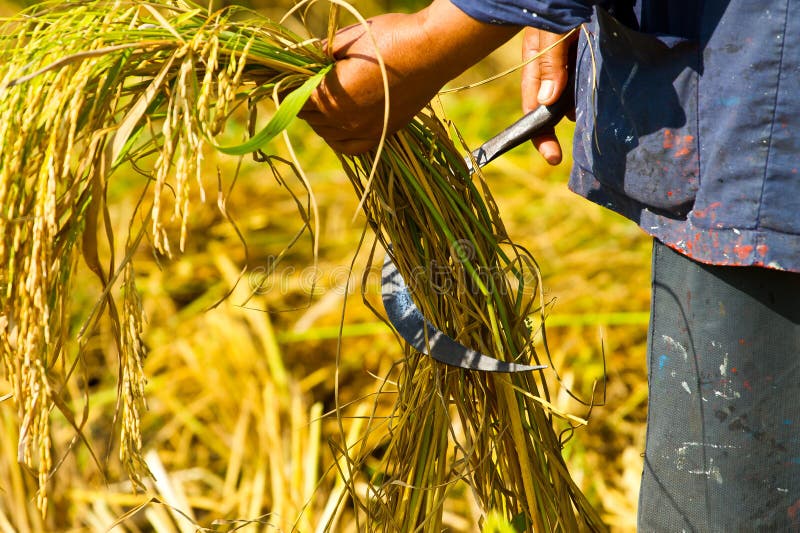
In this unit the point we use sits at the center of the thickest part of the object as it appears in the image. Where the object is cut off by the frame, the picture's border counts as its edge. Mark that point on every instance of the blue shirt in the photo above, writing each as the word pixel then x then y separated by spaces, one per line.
pixel 687 122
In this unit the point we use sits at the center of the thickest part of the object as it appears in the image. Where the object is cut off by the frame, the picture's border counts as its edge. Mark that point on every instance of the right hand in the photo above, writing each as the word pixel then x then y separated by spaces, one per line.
pixel 543 81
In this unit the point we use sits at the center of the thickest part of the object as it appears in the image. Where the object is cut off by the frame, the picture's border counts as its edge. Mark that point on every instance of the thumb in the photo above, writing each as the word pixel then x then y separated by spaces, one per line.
pixel 546 77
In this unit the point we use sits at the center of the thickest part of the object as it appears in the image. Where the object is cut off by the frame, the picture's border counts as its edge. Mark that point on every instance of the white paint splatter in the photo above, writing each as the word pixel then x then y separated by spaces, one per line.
pixel 688 444
pixel 676 345
pixel 712 472
pixel 686 387
pixel 723 368
pixel 732 394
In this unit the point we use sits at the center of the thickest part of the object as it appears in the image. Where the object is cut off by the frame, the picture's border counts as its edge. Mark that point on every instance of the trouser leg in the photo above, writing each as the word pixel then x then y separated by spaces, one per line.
pixel 723 427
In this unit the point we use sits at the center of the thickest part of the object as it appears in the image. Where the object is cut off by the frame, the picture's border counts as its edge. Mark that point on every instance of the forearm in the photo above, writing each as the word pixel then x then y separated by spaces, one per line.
pixel 454 41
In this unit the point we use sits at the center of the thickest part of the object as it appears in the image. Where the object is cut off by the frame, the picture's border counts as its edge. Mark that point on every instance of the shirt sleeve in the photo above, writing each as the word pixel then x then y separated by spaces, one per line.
pixel 557 16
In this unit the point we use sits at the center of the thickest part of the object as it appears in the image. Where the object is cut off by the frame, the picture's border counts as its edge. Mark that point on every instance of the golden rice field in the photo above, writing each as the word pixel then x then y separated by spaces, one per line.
pixel 245 372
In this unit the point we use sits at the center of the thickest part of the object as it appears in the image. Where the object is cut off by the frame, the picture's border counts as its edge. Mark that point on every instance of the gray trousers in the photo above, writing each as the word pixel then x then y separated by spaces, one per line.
pixel 723 424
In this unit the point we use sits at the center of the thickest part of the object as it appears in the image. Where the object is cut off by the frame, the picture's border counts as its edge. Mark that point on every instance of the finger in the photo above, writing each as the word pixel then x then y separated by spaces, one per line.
pixel 548 146
pixel 345 38
pixel 310 113
pixel 344 141
pixel 550 150
pixel 553 72
pixel 351 147
pixel 544 79
pixel 530 72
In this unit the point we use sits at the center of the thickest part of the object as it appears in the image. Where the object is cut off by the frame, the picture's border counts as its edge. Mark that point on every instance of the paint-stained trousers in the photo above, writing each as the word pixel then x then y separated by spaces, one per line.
pixel 723 425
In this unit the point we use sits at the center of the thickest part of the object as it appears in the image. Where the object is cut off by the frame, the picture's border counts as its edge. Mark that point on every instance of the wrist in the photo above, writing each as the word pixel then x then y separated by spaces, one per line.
pixel 455 41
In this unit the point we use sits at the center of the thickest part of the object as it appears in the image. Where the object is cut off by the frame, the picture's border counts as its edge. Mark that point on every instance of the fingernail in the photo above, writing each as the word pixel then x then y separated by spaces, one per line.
pixel 552 156
pixel 546 90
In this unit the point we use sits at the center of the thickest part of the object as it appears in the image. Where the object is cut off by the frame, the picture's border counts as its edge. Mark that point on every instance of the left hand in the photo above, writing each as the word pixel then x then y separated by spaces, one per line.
pixel 422 51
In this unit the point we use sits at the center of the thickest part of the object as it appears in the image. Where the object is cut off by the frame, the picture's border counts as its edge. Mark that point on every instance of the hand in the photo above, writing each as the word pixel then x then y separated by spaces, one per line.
pixel 543 81
pixel 421 51
pixel 348 107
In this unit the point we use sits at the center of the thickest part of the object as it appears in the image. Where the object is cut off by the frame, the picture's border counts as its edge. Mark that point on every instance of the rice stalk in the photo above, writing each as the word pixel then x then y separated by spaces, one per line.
pixel 90 86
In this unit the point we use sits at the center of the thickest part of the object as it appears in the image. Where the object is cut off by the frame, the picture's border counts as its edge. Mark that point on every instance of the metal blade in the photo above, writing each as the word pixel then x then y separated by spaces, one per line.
pixel 424 337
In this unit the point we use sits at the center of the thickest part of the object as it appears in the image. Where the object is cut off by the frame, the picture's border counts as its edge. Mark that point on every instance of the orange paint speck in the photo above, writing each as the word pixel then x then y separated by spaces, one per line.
pixel 742 251
pixel 668 139
pixel 762 249
pixel 682 145
pixel 794 511
pixel 703 213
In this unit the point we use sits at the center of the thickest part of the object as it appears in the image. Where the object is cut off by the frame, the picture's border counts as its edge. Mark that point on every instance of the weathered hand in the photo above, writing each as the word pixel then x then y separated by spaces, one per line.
pixel 543 81
pixel 348 107
pixel 421 51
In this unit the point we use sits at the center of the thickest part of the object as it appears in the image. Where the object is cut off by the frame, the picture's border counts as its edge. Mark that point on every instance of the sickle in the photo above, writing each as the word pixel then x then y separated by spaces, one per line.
pixel 400 308
pixel 424 337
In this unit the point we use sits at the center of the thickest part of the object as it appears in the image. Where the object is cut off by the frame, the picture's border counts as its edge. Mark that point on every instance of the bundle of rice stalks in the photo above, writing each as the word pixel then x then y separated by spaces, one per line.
pixel 471 280
pixel 87 87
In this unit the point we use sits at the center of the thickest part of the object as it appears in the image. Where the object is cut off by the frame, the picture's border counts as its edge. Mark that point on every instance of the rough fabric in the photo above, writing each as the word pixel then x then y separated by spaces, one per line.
pixel 723 428
pixel 557 16
pixel 692 131
pixel 687 118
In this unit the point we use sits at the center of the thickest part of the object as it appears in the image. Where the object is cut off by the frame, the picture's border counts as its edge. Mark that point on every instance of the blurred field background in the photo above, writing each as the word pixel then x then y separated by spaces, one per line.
pixel 239 427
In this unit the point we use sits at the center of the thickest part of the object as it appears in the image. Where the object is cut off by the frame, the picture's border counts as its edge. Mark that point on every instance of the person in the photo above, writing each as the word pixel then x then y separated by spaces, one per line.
pixel 686 123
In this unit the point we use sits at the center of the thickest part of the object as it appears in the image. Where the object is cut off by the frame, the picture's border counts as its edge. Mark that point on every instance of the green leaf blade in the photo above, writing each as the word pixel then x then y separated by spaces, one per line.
pixel 286 112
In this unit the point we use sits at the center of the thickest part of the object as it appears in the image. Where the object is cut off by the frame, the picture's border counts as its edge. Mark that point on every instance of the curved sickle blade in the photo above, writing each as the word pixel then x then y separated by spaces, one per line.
pixel 424 337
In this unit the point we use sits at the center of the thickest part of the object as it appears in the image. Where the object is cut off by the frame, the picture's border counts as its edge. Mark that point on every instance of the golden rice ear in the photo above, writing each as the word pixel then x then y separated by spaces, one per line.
pixel 170 82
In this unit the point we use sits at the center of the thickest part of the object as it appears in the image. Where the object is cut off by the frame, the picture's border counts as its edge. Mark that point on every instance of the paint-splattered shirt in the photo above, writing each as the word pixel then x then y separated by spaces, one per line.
pixel 688 118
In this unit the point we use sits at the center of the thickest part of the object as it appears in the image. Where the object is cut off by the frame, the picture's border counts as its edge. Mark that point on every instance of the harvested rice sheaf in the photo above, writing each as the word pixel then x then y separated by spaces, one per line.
pixel 88 87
